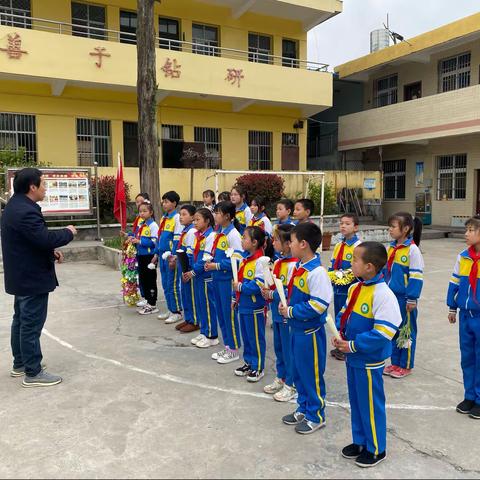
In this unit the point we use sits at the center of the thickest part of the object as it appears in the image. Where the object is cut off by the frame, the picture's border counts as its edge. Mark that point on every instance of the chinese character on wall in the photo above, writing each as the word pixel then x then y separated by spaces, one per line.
pixel 99 52
pixel 172 69
pixel 234 76
pixel 14 46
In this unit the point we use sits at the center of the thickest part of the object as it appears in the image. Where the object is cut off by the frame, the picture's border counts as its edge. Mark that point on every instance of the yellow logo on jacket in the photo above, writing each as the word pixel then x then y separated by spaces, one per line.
pixel 364 303
pixel 300 282
pixel 169 225
pixel 240 214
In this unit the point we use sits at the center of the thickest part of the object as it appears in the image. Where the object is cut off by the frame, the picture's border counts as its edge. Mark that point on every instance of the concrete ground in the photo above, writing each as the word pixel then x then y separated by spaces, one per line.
pixel 138 400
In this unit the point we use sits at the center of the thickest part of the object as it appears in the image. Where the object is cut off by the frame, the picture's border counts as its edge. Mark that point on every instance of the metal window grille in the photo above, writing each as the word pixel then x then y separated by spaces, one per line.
pixel 290 139
pixel 93 142
pixel 394 179
pixel 454 72
pixel 211 139
pixel 323 145
pixel 259 48
pixel 452 177
pixel 169 33
pixel 172 132
pixel 260 150
pixel 17 132
pixel 385 91
pixel 20 8
pixel 205 40
pixel 88 20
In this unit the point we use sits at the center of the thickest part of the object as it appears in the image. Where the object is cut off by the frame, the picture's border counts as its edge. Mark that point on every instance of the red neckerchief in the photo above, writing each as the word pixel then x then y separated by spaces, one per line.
pixel 259 253
pixel 346 314
pixel 278 266
pixel 296 273
pixel 136 222
pixel 162 225
pixel 199 237
pixel 140 230
pixel 183 235
pixel 472 277
pixel 218 236
pixel 338 261
pixel 391 258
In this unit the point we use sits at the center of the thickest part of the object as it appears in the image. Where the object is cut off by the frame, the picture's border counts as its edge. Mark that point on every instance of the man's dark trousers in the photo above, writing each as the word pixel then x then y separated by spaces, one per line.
pixel 28 320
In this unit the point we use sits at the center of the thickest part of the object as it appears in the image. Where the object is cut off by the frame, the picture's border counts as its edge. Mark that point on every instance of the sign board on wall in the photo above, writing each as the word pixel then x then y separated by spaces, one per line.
pixel 369 183
pixel 68 191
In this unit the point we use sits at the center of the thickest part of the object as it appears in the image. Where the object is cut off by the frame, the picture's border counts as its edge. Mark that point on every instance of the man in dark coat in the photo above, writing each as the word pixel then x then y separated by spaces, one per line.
pixel 29 256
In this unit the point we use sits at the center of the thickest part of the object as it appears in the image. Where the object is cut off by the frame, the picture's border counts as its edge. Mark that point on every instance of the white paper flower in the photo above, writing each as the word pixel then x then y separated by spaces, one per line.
pixel 339 274
pixel 166 255
pixel 229 252
pixel 207 257
pixel 151 266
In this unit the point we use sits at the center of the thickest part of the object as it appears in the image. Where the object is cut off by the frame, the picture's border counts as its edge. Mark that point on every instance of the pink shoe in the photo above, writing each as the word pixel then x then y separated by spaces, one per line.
pixel 388 370
pixel 401 372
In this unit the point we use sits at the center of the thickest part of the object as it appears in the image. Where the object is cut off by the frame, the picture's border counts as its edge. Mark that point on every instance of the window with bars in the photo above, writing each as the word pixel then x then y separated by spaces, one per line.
pixel 211 139
pixel 259 48
pixel 290 139
pixel 172 132
pixel 18 131
pixel 21 9
pixel 290 53
pixel 394 179
pixel 205 40
pixel 454 72
pixel 128 27
pixel 385 91
pixel 259 150
pixel 130 144
pixel 88 20
pixel 452 177
pixel 93 142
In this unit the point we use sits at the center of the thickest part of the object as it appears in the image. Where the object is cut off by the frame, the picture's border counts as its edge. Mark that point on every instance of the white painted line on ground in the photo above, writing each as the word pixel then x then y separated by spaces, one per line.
pixel 184 381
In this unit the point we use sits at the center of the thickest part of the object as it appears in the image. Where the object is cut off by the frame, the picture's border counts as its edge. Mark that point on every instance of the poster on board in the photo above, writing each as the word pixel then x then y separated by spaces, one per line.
pixel 68 191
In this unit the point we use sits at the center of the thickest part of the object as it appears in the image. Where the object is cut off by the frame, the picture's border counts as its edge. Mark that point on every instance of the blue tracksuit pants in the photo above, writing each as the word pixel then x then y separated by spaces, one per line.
pixel 227 316
pixel 205 306
pixel 470 353
pixel 340 293
pixel 367 402
pixel 308 367
pixel 188 302
pixel 253 334
pixel 405 357
pixel 281 344
pixel 170 285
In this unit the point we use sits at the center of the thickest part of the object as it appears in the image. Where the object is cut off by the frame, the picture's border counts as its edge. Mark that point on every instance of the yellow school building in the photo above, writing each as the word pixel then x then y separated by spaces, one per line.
pixel 234 86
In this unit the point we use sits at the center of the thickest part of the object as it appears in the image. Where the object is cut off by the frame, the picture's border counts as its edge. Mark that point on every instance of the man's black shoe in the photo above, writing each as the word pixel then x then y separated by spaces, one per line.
pixel 352 451
pixel 367 459
pixel 465 407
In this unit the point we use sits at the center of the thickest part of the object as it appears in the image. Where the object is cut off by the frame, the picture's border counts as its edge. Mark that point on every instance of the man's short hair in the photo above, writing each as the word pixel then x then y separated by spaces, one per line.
pixel 309 232
pixel 307 204
pixel 172 196
pixel 287 203
pixel 25 178
pixel 374 253
pixel 352 216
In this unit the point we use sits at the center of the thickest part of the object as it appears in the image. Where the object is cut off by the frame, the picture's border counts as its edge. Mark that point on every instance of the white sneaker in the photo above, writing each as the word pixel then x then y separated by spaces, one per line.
pixel 148 310
pixel 142 303
pixel 275 386
pixel 197 339
pixel 285 394
pixel 217 355
pixel 207 342
pixel 164 316
pixel 228 357
pixel 174 318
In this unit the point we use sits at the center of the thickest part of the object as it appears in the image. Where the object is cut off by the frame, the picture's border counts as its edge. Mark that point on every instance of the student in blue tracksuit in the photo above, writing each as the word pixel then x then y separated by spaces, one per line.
pixel 168 235
pixel 185 243
pixel 464 294
pixel 227 243
pixel 404 275
pixel 309 295
pixel 284 212
pixel 250 303
pixel 243 214
pixel 260 218
pixel 340 262
pixel 145 241
pixel 369 321
pixel 282 386
pixel 202 280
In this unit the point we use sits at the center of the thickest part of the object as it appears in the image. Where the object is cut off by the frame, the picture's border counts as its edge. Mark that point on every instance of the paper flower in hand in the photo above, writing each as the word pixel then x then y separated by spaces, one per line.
pixel 166 255
pixel 229 252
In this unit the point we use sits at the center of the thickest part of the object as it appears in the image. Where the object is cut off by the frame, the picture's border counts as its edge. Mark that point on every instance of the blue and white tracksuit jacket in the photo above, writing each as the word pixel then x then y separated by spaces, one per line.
pixel 340 292
pixel 243 215
pixel 168 236
pixel 203 285
pixel 228 242
pixel 147 233
pixel 187 239
pixel 372 325
pixel 261 220
pixel 406 282
pixel 310 297
pixel 460 296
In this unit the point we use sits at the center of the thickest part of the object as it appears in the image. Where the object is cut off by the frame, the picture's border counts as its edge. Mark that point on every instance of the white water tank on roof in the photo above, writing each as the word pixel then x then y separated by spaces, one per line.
pixel 379 39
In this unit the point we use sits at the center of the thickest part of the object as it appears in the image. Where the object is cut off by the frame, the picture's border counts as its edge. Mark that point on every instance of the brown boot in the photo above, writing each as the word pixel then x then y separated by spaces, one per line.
pixel 188 328
pixel 179 326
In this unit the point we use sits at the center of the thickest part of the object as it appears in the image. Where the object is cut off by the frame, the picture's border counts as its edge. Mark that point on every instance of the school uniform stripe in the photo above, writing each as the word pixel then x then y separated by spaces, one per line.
pixel 455 281
pixel 175 292
pixel 232 319
pixel 257 341
pixel 317 376
pixel 195 320
pixel 372 411
pixel 317 306
pixel 208 310
pixel 387 332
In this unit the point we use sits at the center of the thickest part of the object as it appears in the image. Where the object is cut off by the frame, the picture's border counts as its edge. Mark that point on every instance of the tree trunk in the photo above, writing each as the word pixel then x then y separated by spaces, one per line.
pixel 147 104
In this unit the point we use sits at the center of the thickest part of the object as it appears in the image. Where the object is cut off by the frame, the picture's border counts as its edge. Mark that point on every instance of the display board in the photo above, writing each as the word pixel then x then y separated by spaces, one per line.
pixel 68 191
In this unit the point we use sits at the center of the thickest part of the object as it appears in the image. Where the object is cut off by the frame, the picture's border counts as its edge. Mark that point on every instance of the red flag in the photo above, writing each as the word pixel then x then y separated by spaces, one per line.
pixel 120 201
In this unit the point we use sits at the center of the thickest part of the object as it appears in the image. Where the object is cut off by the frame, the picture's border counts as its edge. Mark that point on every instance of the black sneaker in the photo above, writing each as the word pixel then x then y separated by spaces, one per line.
pixel 367 459
pixel 465 407
pixel 294 418
pixel 352 451
pixel 243 371
pixel 255 375
pixel 307 427
pixel 475 412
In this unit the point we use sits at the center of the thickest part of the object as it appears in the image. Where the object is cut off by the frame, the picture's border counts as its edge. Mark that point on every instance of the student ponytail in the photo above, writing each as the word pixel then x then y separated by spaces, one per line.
pixel 415 225
pixel 417 230
pixel 228 208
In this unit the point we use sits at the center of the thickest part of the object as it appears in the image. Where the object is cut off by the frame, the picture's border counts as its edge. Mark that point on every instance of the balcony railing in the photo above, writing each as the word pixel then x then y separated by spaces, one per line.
pixel 53 26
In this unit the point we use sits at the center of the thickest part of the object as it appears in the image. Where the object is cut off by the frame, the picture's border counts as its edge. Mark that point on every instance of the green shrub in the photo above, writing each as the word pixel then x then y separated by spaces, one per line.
pixel 270 186
pixel 330 206
pixel 114 242
pixel 17 159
